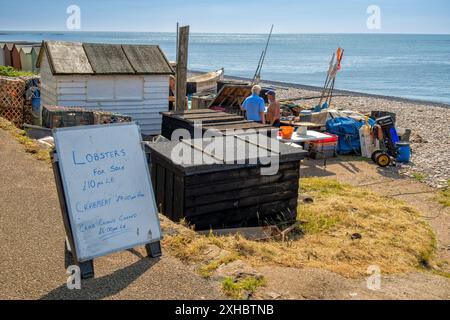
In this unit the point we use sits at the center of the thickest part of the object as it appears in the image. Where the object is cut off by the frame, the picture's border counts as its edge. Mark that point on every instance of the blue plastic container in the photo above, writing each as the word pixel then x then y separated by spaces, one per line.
pixel 36 104
pixel 404 151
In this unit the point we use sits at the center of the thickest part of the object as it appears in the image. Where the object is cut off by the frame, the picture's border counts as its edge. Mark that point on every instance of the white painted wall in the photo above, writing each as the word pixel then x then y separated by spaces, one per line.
pixel 48 85
pixel 141 97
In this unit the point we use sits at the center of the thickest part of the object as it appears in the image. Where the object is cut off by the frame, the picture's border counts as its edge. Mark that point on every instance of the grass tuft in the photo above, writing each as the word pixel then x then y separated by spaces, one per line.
pixel 443 196
pixel 207 270
pixel 31 146
pixel 419 176
pixel 239 288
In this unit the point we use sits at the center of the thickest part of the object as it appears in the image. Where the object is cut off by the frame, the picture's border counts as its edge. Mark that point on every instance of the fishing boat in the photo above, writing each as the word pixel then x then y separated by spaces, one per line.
pixel 204 82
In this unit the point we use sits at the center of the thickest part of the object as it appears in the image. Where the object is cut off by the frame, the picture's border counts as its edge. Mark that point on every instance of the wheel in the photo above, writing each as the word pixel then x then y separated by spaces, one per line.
pixel 383 160
pixel 375 154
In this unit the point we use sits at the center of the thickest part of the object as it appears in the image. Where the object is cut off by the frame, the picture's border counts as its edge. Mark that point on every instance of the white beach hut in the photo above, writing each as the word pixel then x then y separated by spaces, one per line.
pixel 128 79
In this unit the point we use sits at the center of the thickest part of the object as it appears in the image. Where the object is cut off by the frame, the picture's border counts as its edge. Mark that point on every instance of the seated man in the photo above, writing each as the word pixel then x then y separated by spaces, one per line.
pixel 254 106
pixel 273 112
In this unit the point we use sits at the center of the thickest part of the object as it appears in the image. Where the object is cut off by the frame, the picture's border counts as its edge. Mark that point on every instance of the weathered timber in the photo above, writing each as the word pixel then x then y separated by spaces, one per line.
pixel 225 195
pixel 214 121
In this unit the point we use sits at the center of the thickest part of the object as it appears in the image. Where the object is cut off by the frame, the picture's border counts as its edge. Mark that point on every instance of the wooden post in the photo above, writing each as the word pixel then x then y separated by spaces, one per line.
pixel 181 69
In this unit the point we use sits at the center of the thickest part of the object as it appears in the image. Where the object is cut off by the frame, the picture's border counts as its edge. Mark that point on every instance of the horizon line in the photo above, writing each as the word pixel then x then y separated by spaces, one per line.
pixel 247 33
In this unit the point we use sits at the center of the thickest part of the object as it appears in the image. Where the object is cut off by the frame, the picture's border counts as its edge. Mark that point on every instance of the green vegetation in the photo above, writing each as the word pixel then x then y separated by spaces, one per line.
pixel 419 176
pixel 236 288
pixel 31 146
pixel 207 270
pixel 11 72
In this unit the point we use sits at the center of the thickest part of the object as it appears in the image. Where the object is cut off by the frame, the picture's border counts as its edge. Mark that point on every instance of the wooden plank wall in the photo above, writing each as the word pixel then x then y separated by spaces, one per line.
pixel 48 85
pixel 242 198
pixel 234 198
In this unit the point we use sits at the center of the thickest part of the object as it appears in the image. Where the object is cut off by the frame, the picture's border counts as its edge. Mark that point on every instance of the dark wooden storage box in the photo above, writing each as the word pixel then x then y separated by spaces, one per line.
pixel 225 195
pixel 210 120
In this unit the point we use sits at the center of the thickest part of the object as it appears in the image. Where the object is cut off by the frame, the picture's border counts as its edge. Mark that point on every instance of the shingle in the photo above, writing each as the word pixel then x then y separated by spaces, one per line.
pixel 67 58
pixel 107 58
pixel 147 59
pixel 96 58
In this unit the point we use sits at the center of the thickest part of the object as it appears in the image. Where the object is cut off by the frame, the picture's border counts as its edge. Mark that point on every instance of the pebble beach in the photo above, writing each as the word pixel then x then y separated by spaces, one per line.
pixel 429 122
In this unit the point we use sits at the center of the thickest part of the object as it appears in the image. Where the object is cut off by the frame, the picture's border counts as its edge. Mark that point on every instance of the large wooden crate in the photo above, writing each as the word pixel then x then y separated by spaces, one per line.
pixel 201 101
pixel 225 194
pixel 210 120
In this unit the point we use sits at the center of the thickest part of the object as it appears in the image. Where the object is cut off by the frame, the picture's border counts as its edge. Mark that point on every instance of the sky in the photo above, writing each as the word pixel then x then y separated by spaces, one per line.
pixel 230 16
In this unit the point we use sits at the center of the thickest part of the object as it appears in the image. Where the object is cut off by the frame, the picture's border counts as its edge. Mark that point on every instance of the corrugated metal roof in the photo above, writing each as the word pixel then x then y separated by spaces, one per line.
pixel 96 58
pixel 147 59
pixel 107 58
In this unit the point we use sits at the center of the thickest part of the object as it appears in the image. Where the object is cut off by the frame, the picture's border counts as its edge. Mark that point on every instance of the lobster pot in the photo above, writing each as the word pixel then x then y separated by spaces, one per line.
pixel 12 100
pixel 59 117
pixel 218 192
pixel 220 122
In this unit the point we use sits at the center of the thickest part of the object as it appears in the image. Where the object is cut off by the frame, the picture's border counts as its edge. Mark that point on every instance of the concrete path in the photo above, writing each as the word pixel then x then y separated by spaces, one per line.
pixel 32 246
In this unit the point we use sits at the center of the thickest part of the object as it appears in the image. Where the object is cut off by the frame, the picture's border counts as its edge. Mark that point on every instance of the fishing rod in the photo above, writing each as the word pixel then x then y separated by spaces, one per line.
pixel 327 79
pixel 257 75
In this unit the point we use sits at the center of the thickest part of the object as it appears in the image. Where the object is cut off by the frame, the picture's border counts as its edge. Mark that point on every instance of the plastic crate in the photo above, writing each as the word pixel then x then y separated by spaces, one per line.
pixel 323 149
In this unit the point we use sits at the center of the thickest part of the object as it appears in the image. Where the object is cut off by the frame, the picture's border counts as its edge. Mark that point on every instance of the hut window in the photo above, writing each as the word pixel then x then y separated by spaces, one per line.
pixel 100 89
pixel 129 88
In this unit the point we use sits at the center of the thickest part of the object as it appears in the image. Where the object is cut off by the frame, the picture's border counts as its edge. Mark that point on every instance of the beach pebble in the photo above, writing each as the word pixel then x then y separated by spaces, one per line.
pixel 429 123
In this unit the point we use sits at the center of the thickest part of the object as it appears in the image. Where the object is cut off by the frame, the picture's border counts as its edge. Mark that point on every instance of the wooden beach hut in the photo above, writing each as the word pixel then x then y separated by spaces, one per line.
pixel 7 49
pixel 129 79
pixel 15 57
pixel 34 57
pixel 26 58
pixel 2 54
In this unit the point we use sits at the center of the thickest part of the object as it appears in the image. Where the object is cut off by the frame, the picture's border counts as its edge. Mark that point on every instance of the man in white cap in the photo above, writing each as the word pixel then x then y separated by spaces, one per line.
pixel 254 106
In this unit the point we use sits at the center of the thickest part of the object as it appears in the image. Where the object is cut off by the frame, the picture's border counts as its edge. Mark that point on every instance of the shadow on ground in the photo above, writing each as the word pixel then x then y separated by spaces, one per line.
pixel 103 287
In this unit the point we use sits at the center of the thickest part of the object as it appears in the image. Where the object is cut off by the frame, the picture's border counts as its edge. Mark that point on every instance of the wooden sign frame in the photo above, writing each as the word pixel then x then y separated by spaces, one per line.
pixel 153 249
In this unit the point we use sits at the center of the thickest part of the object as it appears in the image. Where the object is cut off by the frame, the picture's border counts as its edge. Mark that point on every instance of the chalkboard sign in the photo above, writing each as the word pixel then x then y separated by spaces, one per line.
pixel 107 189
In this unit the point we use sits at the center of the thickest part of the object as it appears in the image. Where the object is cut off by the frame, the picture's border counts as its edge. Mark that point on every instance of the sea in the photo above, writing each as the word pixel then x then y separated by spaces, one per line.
pixel 406 66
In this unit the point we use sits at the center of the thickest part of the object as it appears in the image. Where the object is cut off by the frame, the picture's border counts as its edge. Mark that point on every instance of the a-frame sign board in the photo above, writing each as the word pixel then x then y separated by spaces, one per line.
pixel 105 192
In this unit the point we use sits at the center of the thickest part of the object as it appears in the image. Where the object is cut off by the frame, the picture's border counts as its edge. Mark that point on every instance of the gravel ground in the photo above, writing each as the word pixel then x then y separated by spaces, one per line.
pixel 32 246
pixel 430 125
pixel 429 122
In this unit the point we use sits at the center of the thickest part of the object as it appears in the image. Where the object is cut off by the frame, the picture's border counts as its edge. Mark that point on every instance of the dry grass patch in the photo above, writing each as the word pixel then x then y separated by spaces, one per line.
pixel 345 230
pixel 30 145
pixel 443 196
